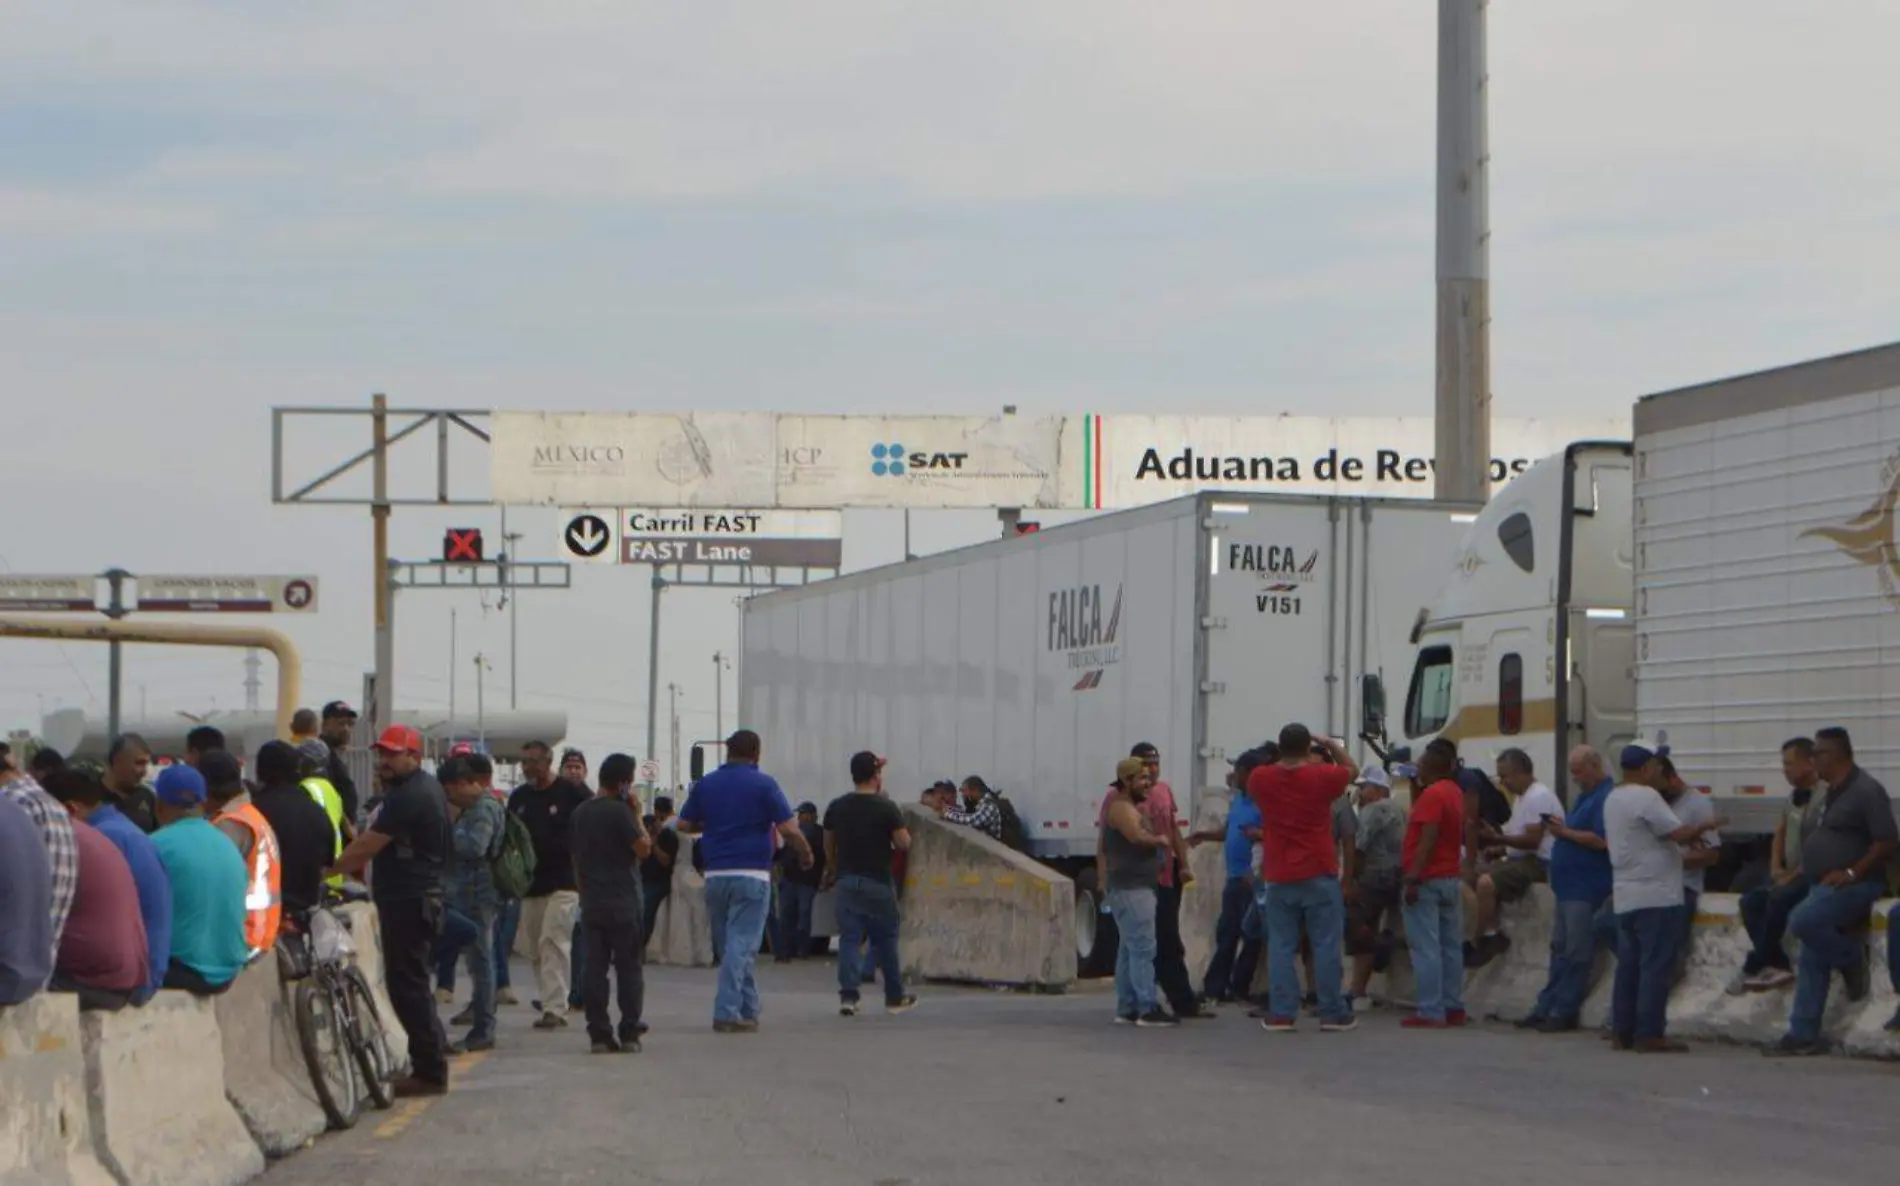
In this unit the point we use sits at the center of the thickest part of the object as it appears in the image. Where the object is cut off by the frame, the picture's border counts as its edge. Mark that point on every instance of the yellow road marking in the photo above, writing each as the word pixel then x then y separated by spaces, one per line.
pixel 404 1116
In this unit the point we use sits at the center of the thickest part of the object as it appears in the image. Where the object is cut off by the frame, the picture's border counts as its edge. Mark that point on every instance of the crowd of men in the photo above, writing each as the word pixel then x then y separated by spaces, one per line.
pixel 1309 876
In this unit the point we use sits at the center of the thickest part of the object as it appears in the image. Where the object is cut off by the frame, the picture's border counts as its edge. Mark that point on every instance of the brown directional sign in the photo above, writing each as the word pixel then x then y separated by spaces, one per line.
pixel 751 553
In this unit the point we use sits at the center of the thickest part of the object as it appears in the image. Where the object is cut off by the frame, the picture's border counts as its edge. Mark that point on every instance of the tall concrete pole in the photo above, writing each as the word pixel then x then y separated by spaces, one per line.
pixel 1463 408
pixel 653 666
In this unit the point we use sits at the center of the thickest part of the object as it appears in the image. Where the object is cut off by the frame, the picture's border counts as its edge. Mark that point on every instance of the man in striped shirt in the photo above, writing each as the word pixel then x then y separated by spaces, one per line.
pixel 56 829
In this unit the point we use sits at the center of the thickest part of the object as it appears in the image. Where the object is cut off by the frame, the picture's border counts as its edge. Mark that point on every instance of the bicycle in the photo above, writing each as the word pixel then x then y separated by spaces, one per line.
pixel 342 1034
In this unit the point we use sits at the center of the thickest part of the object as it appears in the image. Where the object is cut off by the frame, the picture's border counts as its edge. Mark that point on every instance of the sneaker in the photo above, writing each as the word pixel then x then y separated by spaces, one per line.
pixel 1339 1025
pixel 1156 1019
pixel 445 996
pixel 1662 1046
pixel 745 1025
pixel 1277 1025
pixel 1893 1023
pixel 1557 1025
pixel 1858 979
pixel 1530 1021
pixel 551 1021
pixel 1770 979
pixel 1415 1022
pixel 465 1018
pixel 472 1045
pixel 1456 1018
pixel 1125 1019
pixel 1790 1046
pixel 847 1008
pixel 629 1045
pixel 1739 983
pixel 606 1048
pixel 902 1006
pixel 506 996
pixel 1200 1012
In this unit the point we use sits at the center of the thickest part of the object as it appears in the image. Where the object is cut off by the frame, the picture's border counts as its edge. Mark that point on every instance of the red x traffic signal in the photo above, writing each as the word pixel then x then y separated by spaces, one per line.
pixel 462 545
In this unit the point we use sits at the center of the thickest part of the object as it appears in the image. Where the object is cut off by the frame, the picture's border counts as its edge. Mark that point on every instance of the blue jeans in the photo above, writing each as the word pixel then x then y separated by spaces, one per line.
pixel 1319 906
pixel 458 931
pixel 1230 973
pixel 468 932
pixel 738 906
pixel 1435 931
pixel 1646 947
pixel 794 918
pixel 507 922
pixel 1817 923
pixel 1573 953
pixel 866 909
pixel 1765 914
pixel 1134 911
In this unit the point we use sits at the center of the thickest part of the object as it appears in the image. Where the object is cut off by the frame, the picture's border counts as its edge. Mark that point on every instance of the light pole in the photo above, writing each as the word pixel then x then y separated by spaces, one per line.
pixel 673 691
pixel 719 695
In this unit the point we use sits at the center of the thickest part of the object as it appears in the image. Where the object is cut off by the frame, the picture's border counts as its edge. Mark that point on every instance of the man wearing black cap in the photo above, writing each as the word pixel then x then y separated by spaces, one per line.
pixel 798 889
pixel 862 829
pixel 338 719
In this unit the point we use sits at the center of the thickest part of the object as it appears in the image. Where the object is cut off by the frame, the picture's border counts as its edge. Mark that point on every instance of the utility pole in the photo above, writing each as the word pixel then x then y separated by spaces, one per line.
pixel 673 691
pixel 509 542
pixel 252 683
pixel 481 703
pixel 653 664
pixel 719 696
pixel 1462 409
pixel 381 710
pixel 116 609
pixel 452 672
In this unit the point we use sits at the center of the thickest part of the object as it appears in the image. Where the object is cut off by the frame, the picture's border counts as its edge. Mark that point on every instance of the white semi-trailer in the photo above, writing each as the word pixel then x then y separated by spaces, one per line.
pixel 1201 625
pixel 1729 582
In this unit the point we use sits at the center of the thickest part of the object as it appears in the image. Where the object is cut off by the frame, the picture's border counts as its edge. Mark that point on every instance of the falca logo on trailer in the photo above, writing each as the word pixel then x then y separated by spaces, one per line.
pixel 1079 630
pixel 1868 537
pixel 1280 569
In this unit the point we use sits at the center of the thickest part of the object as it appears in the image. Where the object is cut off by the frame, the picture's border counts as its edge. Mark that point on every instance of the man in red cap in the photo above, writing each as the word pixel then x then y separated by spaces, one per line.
pixel 406 850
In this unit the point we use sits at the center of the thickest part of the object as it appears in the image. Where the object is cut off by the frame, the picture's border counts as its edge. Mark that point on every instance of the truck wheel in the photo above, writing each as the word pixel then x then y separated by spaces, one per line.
pixel 1096 939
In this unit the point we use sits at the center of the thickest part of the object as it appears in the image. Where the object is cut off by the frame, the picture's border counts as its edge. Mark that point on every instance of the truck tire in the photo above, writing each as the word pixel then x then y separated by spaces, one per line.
pixel 1096 939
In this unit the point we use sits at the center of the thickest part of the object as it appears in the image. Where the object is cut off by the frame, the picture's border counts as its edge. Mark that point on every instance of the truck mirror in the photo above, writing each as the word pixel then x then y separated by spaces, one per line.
pixel 1372 705
pixel 699 762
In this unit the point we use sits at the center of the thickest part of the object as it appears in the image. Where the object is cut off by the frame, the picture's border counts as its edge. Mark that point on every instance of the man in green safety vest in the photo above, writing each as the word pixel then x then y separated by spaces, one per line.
pixel 314 757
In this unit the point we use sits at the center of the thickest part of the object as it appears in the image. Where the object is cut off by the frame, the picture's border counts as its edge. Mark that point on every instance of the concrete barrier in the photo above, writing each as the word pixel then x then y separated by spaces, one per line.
pixel 682 931
pixel 265 1075
pixel 367 933
pixel 45 1123
pixel 159 1112
pixel 976 910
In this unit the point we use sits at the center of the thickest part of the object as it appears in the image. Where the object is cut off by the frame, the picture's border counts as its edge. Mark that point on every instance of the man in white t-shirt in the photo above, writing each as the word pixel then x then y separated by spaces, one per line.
pixel 1522 850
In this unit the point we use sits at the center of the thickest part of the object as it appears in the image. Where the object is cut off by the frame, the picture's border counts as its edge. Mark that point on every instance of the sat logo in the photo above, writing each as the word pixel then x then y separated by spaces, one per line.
pixel 891 460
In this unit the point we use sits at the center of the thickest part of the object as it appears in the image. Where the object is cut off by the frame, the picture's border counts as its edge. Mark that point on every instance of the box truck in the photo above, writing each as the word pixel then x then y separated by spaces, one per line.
pixel 1728 582
pixel 1200 625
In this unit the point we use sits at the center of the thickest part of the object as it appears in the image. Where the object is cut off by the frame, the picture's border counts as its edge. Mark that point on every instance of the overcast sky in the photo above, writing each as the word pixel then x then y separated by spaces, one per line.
pixel 207 209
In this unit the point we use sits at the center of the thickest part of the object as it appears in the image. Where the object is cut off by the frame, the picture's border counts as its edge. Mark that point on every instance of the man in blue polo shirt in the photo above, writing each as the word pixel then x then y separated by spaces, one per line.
pixel 1580 879
pixel 734 811
pixel 1230 973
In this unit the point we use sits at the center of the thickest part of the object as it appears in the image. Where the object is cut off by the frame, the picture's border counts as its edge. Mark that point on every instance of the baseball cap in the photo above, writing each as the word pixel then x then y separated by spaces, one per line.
pixel 1375 776
pixel 313 749
pixel 400 739
pixel 337 708
pixel 1128 768
pixel 1635 755
pixel 865 765
pixel 807 805
pixel 179 786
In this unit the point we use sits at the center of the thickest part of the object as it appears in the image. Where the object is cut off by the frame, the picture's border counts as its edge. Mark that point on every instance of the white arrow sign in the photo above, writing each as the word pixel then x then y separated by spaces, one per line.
pixel 588 536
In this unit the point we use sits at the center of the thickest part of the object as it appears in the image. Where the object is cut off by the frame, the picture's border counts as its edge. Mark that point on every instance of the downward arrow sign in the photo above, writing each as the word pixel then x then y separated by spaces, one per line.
pixel 587 536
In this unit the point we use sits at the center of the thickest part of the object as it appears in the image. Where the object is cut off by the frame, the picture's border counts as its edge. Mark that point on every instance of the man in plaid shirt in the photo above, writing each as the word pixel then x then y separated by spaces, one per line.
pixel 56 828
pixel 979 810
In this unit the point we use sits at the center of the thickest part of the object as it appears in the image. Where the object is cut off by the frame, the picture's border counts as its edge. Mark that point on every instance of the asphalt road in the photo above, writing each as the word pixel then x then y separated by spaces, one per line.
pixel 988 1088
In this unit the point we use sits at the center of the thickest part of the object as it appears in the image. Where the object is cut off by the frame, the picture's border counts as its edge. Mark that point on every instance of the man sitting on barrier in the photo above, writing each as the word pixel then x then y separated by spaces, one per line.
pixel 1765 909
pixel 1372 902
pixel 208 882
pixel 1844 856
pixel 55 827
pixel 1526 851
pixel 26 892
pixel 102 953
pixel 86 800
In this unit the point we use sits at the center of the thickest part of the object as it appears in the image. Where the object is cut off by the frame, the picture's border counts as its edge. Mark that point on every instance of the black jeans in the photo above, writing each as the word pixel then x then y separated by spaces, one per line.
pixel 613 943
pixel 653 894
pixel 409 933
pixel 1171 974
pixel 1236 956
pixel 1765 913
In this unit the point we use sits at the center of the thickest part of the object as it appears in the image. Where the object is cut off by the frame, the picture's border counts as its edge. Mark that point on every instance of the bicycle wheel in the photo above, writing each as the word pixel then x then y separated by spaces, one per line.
pixel 325 1049
pixel 369 1041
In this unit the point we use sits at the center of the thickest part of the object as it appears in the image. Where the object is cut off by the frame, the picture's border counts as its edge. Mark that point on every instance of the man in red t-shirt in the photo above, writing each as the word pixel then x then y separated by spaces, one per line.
pixel 1300 864
pixel 1434 903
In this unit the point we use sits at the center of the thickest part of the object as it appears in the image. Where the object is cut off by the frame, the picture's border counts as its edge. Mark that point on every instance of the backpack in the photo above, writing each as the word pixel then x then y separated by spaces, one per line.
pixel 512 861
pixel 1014 834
